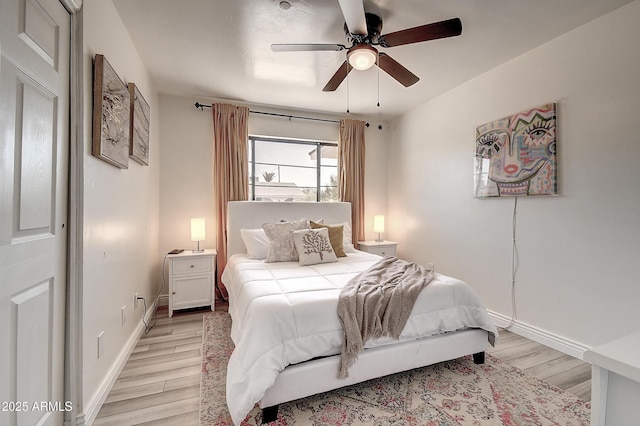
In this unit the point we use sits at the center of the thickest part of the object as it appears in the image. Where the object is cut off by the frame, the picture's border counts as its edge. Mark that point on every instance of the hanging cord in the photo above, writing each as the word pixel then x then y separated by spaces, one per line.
pixel 147 327
pixel 514 266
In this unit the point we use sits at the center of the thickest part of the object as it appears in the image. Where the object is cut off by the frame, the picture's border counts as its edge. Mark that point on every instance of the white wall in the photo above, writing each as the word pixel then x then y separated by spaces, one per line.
pixel 578 275
pixel 120 213
pixel 186 178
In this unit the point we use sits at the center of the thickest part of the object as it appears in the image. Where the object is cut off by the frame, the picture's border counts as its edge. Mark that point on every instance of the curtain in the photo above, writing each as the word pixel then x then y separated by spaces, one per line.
pixel 351 173
pixel 231 172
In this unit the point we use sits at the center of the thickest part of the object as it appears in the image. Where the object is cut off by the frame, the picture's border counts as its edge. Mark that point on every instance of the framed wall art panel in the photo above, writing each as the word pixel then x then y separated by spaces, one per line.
pixel 516 155
pixel 139 126
pixel 110 115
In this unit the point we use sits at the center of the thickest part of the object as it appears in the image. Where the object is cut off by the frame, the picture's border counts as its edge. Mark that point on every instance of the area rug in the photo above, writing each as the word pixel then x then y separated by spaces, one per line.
pixel 456 392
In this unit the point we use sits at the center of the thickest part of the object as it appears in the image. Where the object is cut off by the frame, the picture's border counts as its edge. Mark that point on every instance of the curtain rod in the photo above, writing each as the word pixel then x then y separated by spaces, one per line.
pixel 202 106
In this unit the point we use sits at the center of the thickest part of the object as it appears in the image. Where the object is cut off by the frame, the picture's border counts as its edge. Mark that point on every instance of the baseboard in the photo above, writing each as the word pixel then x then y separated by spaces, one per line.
pixel 544 337
pixel 92 408
pixel 163 300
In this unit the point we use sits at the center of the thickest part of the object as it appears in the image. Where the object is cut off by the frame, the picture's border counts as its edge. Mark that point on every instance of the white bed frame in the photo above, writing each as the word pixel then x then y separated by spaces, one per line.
pixel 320 375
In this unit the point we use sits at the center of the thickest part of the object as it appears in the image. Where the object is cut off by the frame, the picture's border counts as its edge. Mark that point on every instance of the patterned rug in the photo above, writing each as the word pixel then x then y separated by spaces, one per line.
pixel 456 392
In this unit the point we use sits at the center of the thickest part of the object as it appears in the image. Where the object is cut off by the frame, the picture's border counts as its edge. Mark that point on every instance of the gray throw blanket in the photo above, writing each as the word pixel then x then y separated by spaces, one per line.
pixel 377 303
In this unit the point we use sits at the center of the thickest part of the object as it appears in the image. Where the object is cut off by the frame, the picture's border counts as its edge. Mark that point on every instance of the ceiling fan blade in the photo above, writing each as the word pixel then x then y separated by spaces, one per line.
pixel 306 47
pixel 338 77
pixel 436 30
pixel 397 71
pixel 353 12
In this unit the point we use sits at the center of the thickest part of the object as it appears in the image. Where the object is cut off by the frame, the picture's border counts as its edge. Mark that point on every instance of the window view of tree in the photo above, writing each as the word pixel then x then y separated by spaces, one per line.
pixel 268 176
pixel 292 170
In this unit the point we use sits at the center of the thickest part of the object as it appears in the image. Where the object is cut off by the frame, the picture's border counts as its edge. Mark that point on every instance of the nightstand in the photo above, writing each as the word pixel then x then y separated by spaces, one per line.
pixel 381 248
pixel 191 278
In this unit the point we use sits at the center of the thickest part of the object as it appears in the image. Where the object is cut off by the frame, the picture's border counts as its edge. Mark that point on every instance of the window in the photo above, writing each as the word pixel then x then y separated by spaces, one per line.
pixel 292 170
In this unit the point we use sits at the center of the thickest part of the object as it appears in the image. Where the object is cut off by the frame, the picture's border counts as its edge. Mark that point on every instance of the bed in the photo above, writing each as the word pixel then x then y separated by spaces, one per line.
pixel 286 331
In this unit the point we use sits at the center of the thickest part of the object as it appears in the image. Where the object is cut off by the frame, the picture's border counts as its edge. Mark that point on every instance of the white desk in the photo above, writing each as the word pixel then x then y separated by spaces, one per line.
pixel 615 381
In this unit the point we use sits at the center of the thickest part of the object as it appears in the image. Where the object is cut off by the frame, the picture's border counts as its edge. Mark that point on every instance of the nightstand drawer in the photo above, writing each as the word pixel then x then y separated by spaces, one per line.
pixel 191 266
pixel 383 250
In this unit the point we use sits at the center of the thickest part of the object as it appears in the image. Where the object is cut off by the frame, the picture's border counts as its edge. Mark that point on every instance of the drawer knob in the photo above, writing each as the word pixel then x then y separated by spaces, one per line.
pixel 191 266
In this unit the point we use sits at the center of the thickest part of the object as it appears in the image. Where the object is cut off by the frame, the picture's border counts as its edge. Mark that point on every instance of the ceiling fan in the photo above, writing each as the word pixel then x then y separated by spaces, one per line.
pixel 363 33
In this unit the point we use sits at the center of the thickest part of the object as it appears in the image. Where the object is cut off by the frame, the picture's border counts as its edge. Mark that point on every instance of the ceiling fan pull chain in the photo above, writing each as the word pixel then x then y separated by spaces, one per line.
pixel 378 62
pixel 347 78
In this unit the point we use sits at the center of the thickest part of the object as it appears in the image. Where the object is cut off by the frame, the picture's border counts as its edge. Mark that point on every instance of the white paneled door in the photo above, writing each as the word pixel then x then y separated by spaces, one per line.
pixel 34 151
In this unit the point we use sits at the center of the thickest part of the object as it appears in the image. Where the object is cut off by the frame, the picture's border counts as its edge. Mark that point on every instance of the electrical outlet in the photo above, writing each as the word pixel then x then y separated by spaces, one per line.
pixel 135 301
pixel 100 344
pixel 124 316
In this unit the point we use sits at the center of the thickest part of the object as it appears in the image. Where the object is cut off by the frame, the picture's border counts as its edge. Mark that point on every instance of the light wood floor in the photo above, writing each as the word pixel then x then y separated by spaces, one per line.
pixel 160 384
pixel 557 368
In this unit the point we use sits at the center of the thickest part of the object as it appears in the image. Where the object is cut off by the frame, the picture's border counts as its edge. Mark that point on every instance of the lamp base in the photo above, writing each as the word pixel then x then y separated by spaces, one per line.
pixel 198 249
pixel 379 240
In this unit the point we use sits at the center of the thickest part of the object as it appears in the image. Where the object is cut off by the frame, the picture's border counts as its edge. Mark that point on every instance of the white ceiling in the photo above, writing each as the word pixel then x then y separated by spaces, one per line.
pixel 222 48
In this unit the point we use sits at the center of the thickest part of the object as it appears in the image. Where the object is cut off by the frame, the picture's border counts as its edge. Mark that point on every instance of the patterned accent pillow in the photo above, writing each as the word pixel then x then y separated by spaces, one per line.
pixel 280 234
pixel 313 246
pixel 335 236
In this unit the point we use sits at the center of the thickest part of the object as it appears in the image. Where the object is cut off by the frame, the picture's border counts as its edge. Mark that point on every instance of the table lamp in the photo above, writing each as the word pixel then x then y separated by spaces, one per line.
pixel 378 226
pixel 197 232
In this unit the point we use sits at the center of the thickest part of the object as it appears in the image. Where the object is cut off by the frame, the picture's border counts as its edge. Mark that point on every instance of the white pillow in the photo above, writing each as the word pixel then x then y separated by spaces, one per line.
pixel 280 234
pixel 313 246
pixel 256 243
pixel 346 238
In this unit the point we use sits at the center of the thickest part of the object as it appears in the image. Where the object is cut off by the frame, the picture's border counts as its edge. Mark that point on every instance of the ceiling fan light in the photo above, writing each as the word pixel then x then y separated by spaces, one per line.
pixel 362 57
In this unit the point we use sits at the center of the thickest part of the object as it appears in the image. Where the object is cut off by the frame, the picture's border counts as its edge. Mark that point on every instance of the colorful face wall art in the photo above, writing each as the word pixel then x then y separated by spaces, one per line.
pixel 516 155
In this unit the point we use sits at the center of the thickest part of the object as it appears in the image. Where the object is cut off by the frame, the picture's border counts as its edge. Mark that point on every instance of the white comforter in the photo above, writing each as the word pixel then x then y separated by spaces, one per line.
pixel 284 314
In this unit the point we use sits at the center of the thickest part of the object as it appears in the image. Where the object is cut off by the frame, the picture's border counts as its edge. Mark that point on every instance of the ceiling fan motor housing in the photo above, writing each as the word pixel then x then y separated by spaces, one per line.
pixel 374 28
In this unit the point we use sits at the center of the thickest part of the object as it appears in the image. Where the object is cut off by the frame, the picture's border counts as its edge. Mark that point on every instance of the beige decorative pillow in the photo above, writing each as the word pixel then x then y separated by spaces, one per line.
pixel 280 234
pixel 335 236
pixel 313 246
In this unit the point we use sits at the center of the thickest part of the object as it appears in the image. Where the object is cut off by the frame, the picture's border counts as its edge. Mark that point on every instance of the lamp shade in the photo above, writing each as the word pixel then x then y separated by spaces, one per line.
pixel 197 229
pixel 362 56
pixel 378 223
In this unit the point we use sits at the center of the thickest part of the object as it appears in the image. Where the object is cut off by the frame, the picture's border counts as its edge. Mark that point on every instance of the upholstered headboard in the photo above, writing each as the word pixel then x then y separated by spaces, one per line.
pixel 252 214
